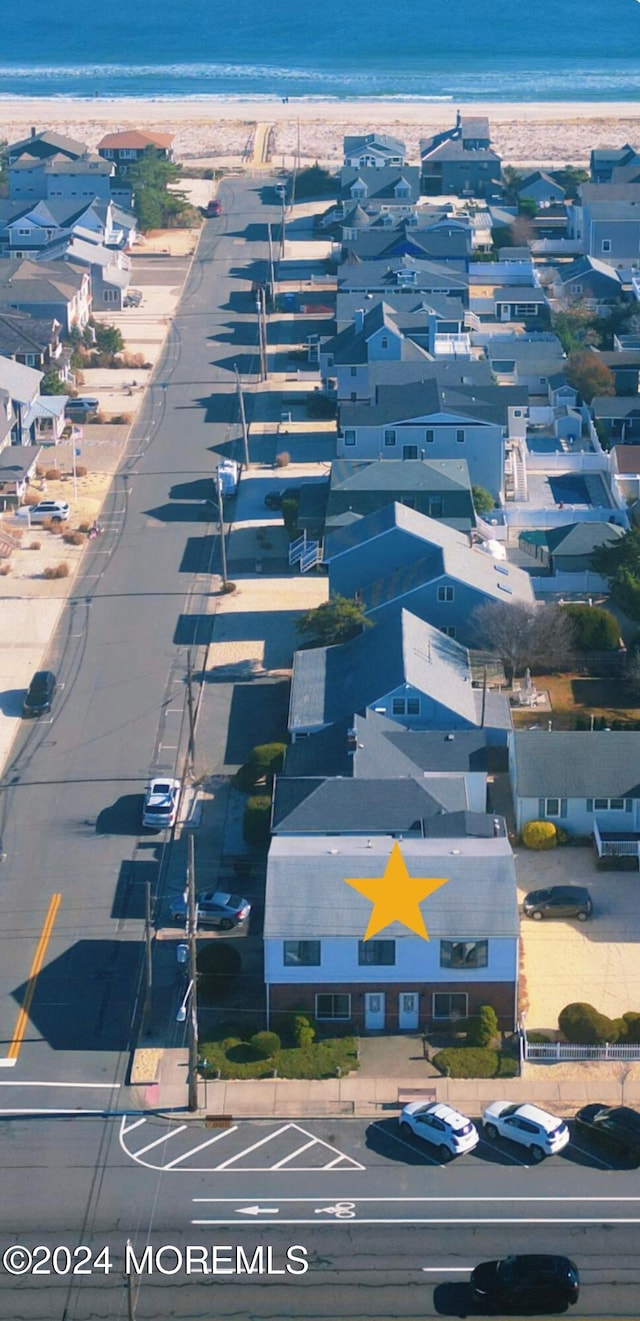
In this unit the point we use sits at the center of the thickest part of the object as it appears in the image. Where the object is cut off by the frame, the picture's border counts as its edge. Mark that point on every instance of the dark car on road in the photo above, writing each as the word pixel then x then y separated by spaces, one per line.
pixel 559 901
pixel 213 209
pixel 616 1127
pixel 40 693
pixel 526 1283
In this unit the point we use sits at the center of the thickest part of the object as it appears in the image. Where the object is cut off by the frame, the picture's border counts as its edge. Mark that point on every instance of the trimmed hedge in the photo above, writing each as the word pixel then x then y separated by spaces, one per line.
pixel 539 835
pixel 582 1024
pixel 256 826
pixel 475 1062
pixel 594 629
pixel 266 1044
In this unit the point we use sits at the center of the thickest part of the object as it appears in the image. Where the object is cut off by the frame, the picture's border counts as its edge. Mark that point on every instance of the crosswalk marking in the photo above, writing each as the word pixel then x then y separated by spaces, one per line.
pixel 280 1163
pixel 303 1151
pixel 171 1133
pixel 186 1154
pixel 247 1150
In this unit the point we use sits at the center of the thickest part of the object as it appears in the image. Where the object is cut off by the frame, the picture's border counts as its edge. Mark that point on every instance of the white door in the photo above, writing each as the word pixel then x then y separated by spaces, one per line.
pixel 408 1010
pixel 373 1011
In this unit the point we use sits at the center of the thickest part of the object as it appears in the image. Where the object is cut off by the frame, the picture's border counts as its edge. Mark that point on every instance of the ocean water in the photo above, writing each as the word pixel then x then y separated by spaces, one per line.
pixel 527 50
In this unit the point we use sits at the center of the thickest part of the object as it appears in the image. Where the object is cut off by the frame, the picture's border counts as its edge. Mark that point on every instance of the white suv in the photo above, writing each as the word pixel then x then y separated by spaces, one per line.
pixel 541 1133
pixel 446 1129
pixel 56 510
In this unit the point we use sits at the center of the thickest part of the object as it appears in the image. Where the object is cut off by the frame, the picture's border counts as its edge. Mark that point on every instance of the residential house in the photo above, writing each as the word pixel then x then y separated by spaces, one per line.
pixel 374 336
pixel 606 220
pixel 526 360
pixel 35 343
pixel 541 188
pixel 17 463
pixel 22 384
pixel 373 151
pixel 77 180
pixel 397 559
pixel 411 314
pixel 618 417
pixel 440 243
pixel 587 279
pixel 43 229
pixel 440 488
pixel 380 186
pixel 568 549
pixel 110 272
pixel 429 419
pixel 461 161
pixel 129 145
pixel 387 346
pixel 588 783
pixel 409 275
pixel 605 160
pixel 326 805
pixel 624 470
pixel 317 961
pixel 492 299
pixel 403 668
pixel 42 146
pixel 374 747
pixel 625 365
pixel 53 289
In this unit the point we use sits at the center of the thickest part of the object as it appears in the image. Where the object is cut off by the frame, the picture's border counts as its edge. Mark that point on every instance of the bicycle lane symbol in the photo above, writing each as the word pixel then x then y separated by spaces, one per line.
pixel 341 1210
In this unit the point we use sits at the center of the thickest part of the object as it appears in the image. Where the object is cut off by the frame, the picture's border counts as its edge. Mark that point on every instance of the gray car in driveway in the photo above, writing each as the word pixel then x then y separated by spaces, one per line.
pixel 216 908
pixel 559 901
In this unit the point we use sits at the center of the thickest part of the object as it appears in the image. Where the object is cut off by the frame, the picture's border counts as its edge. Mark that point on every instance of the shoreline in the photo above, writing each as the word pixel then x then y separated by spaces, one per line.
pixel 217 131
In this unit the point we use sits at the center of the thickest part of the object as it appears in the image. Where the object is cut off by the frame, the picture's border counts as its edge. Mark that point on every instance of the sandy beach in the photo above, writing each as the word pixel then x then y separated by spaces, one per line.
pixel 551 132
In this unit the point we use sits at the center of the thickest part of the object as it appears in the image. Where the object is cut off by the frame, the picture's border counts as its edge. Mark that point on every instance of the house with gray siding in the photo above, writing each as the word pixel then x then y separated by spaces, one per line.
pixel 398 559
pixel 53 289
pixel 579 780
pixel 386 186
pixel 402 668
pixel 315 956
pixel 605 160
pixel 619 416
pixel 403 275
pixel 429 419
pixel 587 279
pixel 440 488
pixel 85 178
pixel 44 145
pixel 461 160
pixel 541 188
pixel 526 360
pixel 373 151
pixel 22 385
pixel 568 549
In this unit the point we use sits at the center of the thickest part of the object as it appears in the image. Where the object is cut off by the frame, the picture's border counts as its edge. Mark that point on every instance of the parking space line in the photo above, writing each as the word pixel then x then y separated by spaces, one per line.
pixel 298 1152
pixel 403 1143
pixel 522 1164
pixel 172 1133
pixel 247 1150
pixel 590 1156
pixel 193 1150
pixel 128 1128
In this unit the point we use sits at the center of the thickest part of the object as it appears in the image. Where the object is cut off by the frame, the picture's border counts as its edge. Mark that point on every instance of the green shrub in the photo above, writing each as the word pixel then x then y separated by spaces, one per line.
pixel 632 1034
pixel 483 501
pixel 539 835
pixel 594 629
pixel 538 1038
pixel 257 821
pixel 467 1062
pixel 266 1044
pixel 303 1032
pixel 482 1028
pixel 264 762
pixel 584 1025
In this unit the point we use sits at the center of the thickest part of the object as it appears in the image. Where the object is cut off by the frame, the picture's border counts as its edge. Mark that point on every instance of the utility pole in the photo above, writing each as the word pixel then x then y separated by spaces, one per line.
pixel 192 1011
pixel 272 274
pixel 223 544
pixel 243 418
pixel 131 1304
pixel 191 752
pixel 283 225
pixel 148 938
pixel 262 333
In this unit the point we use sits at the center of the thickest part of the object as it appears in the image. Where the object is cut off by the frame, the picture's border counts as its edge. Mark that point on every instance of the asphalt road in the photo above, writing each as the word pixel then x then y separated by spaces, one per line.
pixel 387 1231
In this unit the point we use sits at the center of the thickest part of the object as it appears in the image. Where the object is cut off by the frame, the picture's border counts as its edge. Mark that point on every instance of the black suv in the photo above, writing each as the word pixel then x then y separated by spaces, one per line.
pixel 40 693
pixel 526 1283
pixel 617 1127
pixel 559 901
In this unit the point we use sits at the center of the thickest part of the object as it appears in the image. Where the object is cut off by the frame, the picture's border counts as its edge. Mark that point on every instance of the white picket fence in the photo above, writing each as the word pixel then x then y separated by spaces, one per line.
pixel 557 1051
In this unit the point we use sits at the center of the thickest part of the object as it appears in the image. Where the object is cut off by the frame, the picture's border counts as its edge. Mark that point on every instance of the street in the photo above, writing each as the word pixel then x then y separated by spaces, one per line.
pixel 388 1231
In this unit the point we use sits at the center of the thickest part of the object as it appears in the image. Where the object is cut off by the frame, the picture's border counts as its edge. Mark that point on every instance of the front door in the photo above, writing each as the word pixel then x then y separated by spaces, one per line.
pixel 373 1011
pixel 408 1010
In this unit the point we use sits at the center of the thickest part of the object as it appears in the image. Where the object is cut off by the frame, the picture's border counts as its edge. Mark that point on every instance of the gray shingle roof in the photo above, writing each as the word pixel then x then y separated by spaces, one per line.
pixel 306 895
pixel 615 406
pixel 428 275
pixel 581 538
pixel 360 141
pixel 424 399
pixel 396 475
pixel 392 806
pixel 577 765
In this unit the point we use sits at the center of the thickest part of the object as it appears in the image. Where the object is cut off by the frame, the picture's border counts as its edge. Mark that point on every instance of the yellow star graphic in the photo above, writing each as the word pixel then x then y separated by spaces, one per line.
pixel 396 896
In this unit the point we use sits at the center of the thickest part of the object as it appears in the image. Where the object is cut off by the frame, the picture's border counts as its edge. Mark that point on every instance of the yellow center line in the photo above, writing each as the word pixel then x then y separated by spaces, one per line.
pixel 36 965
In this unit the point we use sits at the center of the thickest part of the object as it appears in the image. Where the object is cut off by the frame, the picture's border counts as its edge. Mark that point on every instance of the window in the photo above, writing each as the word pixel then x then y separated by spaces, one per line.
pixel 384 342
pixel 409 451
pixel 381 953
pixel 606 245
pixel 405 706
pixel 450 1006
pixel 577 288
pixel 517 412
pixel 353 371
pixel 436 506
pixel 460 437
pixel 333 1006
pixel 389 437
pixel 550 807
pixel 301 953
pixel 464 953
pixel 448 630
pixel 429 436
pixel 446 594
pixel 523 310
pixel 110 295
pixel 610 804
pixel 349 437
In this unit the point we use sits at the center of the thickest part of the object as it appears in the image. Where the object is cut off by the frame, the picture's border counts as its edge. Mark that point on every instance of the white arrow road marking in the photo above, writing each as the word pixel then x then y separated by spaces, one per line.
pixel 259 1210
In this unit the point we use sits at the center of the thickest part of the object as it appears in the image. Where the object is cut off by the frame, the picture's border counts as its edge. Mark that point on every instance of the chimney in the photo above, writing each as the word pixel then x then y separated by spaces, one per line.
pixel 358 319
pixel 34 131
pixel 458 119
pixel 352 741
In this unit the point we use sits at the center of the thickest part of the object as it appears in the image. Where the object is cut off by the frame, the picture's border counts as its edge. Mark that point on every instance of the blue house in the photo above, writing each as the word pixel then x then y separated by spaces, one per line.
pixel 397 559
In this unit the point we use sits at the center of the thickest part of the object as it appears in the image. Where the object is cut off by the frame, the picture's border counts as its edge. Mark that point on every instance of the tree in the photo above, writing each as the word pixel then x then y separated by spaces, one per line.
pixel 483 501
pixel 263 763
pixel 155 206
pixel 257 821
pixel 619 563
pixel 570 178
pixel 576 326
pixel 336 620
pixel 314 182
pixel 482 1028
pixel 522 635
pixel 594 629
pixel 587 374
pixel 51 383
pixel 528 206
pixel 109 339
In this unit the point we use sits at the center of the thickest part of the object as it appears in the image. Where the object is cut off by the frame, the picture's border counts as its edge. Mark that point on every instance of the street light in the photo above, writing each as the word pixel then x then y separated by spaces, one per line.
pixel 182 1012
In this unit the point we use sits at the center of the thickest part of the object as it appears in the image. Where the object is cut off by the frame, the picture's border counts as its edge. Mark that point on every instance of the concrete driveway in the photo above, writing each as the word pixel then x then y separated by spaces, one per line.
pixel 565 961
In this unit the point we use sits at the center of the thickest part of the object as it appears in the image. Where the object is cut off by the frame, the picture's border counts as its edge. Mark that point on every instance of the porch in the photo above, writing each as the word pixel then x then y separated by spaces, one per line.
pixel 616 843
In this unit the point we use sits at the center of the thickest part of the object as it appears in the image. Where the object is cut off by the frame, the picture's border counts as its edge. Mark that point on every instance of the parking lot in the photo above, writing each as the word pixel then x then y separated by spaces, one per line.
pixel 568 961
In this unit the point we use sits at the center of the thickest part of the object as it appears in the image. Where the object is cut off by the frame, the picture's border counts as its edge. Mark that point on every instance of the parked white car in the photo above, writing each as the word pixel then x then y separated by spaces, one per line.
pixel 541 1133
pixel 441 1125
pixel 56 510
pixel 161 804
